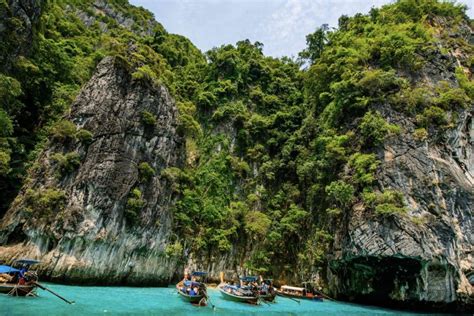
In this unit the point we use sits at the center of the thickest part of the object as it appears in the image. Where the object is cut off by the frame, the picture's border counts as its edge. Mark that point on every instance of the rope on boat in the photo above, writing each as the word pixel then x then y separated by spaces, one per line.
pixel 14 291
pixel 208 298
pixel 32 293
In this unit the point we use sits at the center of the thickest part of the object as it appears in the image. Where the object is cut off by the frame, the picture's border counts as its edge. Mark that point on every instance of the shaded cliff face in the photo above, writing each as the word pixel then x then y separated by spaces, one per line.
pixel 102 220
pixel 18 19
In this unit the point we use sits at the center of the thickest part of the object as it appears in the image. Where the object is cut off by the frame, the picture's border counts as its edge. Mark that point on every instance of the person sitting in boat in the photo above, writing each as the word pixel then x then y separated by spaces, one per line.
pixel 196 290
pixel 22 272
pixel 192 292
pixel 21 281
pixel 187 276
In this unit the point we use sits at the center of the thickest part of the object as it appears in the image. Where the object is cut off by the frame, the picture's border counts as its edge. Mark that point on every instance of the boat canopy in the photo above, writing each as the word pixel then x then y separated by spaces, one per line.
pixel 198 273
pixel 8 269
pixel 292 288
pixel 27 261
pixel 249 278
pixel 191 284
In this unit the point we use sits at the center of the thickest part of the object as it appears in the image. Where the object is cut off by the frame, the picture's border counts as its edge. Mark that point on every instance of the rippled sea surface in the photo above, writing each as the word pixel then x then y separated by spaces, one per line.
pixel 164 301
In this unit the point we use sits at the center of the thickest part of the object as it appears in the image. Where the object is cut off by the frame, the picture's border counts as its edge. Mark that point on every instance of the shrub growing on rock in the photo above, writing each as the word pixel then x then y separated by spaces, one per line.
pixel 464 82
pixel 84 136
pixel 67 163
pixel 340 192
pixel 363 167
pixel 149 119
pixel 432 116
pixel 145 172
pixel 44 202
pixel 420 134
pixel 4 162
pixel 375 128
pixel 174 250
pixel 135 203
pixel 63 130
pixel 389 202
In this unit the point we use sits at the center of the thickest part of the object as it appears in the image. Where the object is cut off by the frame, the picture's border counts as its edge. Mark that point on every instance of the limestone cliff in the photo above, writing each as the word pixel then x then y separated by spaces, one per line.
pixel 420 262
pixel 77 222
pixel 258 145
pixel 426 258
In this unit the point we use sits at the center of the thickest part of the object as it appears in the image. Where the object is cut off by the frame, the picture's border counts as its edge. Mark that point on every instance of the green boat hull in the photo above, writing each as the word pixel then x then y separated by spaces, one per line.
pixel 193 299
pixel 236 298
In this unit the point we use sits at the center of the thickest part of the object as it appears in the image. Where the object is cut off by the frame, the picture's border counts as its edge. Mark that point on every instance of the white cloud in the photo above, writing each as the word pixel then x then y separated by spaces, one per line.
pixel 284 31
pixel 281 25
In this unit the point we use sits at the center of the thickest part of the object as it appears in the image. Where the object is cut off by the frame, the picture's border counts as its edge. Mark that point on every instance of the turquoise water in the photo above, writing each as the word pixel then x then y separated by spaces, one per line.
pixel 163 301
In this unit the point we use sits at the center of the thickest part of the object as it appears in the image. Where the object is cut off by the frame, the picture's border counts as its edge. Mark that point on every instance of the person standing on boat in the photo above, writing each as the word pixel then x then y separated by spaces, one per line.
pixel 187 275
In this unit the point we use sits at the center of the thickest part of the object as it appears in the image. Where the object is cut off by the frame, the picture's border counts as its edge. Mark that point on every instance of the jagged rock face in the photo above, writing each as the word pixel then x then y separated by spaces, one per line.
pixel 17 21
pixel 89 239
pixel 425 257
pixel 102 7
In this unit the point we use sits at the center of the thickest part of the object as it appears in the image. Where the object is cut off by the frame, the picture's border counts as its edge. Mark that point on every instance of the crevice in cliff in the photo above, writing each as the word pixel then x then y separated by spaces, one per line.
pixel 17 236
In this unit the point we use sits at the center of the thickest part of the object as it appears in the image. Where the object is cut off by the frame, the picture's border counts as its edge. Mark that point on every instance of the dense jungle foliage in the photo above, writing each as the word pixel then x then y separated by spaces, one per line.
pixel 278 150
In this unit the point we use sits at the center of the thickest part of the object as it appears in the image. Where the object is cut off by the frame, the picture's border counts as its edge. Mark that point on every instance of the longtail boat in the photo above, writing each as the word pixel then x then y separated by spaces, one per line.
pixel 266 290
pixel 300 293
pixel 193 291
pixel 18 282
pixel 240 293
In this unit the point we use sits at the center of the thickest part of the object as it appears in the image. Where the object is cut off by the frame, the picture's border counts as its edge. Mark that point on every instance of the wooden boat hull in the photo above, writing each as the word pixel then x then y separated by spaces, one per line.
pixel 16 289
pixel 194 299
pixel 301 297
pixel 232 297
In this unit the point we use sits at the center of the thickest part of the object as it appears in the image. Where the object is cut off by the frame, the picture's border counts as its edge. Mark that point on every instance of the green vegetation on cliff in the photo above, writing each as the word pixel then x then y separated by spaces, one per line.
pixel 278 150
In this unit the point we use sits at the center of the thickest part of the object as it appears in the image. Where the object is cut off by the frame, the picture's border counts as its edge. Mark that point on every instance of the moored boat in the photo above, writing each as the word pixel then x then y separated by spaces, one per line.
pixel 237 294
pixel 18 282
pixel 191 290
pixel 299 293
pixel 244 293
pixel 267 291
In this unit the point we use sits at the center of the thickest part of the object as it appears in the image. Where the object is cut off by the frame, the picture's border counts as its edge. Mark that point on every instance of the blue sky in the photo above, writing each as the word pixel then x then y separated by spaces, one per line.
pixel 281 25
